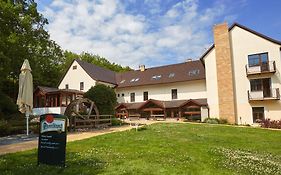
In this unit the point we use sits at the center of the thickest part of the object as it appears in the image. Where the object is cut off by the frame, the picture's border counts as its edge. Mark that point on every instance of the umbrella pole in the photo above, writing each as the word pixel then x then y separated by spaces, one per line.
pixel 27 117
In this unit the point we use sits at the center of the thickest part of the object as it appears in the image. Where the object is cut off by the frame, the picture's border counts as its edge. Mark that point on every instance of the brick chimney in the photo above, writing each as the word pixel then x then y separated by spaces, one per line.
pixel 142 68
pixel 224 73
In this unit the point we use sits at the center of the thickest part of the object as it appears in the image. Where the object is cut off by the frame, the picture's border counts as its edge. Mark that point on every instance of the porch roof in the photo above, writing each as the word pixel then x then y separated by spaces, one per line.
pixel 164 104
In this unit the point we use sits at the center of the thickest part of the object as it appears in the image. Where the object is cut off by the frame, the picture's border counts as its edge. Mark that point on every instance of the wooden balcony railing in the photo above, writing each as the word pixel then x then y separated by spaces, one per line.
pixel 268 67
pixel 271 94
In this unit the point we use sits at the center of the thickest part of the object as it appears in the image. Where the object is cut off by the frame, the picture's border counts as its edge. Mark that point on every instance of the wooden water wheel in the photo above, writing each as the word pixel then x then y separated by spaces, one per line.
pixel 82 113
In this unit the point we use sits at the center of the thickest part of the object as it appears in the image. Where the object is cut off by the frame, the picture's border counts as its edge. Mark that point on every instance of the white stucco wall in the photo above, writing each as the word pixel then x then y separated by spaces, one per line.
pixel 204 113
pixel 74 77
pixel 212 83
pixel 185 90
pixel 244 43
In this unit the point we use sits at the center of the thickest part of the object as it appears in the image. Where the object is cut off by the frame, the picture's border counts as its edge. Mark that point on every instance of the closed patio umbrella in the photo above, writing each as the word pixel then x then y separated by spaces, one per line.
pixel 25 96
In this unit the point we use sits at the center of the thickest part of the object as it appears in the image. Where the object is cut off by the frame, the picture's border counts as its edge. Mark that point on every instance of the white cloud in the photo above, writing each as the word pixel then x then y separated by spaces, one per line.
pixel 107 28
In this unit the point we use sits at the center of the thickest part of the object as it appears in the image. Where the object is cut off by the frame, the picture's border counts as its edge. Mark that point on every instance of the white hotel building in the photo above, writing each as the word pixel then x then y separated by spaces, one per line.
pixel 237 78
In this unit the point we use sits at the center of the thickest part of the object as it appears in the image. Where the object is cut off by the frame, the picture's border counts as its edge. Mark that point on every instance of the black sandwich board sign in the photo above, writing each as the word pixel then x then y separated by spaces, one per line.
pixel 52 139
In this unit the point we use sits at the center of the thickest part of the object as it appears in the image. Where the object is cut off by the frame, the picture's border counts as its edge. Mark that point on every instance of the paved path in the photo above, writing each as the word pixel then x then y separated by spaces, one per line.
pixel 33 143
pixel 21 143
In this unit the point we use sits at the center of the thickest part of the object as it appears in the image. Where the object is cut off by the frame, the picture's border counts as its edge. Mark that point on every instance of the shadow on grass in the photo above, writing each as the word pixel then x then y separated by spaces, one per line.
pixel 140 128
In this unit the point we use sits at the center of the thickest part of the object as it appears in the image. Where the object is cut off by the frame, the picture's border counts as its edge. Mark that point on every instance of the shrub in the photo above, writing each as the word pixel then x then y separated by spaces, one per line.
pixel 7 106
pixel 271 124
pixel 5 128
pixel 223 121
pixel 104 98
pixel 212 120
pixel 116 122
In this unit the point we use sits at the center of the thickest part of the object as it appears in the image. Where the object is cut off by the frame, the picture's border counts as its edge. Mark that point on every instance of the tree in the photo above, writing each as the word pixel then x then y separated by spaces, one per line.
pixel 22 36
pixel 104 98
pixel 94 59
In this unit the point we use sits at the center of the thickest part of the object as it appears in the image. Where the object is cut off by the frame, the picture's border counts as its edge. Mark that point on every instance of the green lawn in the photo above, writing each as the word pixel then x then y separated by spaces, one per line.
pixel 164 149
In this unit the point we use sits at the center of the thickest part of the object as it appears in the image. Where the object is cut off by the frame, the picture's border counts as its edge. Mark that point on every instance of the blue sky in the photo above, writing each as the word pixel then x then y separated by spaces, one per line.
pixel 152 32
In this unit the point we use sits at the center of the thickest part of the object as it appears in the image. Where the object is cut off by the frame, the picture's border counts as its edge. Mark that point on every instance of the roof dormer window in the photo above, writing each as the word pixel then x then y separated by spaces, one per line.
pixel 171 75
pixel 135 79
pixel 194 72
pixel 156 77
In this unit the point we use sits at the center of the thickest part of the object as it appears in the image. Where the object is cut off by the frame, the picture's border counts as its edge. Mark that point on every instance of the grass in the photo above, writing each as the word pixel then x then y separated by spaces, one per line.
pixel 169 148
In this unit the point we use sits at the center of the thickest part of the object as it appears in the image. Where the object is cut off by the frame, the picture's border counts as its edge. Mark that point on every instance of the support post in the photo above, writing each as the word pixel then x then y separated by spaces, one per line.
pixel 27 118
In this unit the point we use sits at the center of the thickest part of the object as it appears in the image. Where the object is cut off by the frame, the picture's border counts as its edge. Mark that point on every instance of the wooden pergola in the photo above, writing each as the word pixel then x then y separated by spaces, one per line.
pixel 121 111
pixel 190 108
pixel 53 97
pixel 154 107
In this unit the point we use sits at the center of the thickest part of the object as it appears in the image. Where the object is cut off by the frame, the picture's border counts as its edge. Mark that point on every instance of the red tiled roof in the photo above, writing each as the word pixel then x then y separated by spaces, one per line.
pixel 192 70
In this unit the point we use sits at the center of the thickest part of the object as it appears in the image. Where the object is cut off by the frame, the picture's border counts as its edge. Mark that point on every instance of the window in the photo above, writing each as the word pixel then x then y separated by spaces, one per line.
pixel 132 97
pixel 194 72
pixel 258 114
pixel 66 86
pixel 171 75
pixel 118 95
pixel 174 93
pixel 257 59
pixel 256 85
pixel 74 67
pixel 135 79
pixel 123 95
pixel 145 96
pixel 81 86
pixel 260 84
pixel 156 77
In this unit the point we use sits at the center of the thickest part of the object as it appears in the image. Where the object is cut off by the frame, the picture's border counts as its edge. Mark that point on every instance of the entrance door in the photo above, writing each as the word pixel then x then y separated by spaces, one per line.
pixel 266 87
pixel 258 114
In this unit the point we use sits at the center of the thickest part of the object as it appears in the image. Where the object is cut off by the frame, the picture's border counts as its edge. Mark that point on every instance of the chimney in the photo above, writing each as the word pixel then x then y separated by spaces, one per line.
pixel 188 60
pixel 142 67
pixel 224 73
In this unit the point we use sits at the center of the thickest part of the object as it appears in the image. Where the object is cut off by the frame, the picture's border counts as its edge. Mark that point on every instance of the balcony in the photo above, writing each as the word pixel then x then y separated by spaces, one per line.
pixel 269 94
pixel 263 68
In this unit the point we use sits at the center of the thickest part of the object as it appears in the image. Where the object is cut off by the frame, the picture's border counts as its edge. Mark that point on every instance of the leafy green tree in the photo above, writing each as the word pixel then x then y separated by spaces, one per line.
pixel 22 36
pixel 94 59
pixel 104 98
pixel 7 106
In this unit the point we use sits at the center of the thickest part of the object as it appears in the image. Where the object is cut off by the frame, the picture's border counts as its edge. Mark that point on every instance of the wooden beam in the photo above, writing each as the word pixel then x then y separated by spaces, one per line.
pixel 153 109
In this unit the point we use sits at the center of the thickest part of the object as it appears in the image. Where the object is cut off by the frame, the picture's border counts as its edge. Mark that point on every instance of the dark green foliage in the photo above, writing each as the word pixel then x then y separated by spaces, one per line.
pixel 94 59
pixel 223 121
pixel 5 128
pixel 116 122
pixel 22 36
pixel 104 98
pixel 7 106
pixel 212 120
pixel 16 125
pixel 215 121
